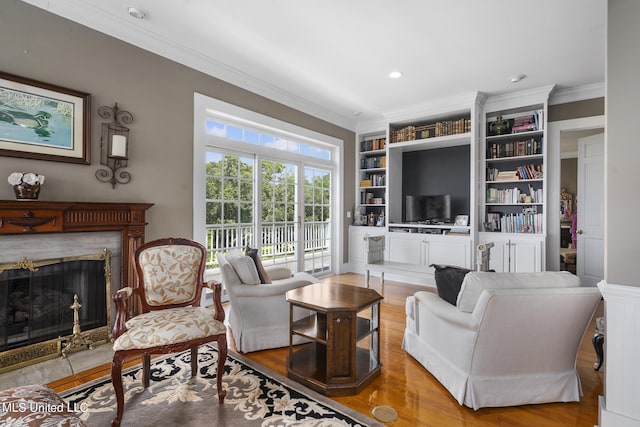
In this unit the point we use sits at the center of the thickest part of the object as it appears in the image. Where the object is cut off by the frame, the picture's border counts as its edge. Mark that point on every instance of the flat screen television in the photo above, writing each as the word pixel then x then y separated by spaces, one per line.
pixel 435 208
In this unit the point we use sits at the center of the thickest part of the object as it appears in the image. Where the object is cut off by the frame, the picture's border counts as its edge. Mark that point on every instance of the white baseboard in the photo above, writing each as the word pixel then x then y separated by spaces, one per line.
pixel 612 419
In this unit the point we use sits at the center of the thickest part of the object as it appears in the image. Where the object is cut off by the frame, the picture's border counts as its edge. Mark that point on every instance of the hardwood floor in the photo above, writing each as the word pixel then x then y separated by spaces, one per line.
pixel 417 396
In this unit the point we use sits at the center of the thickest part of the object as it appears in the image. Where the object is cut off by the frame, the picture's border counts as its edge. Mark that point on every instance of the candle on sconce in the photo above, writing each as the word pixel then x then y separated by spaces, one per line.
pixel 118 146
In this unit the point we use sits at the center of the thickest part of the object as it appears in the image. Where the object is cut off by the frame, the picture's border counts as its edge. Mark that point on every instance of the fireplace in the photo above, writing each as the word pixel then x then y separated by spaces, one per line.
pixel 51 252
pixel 37 300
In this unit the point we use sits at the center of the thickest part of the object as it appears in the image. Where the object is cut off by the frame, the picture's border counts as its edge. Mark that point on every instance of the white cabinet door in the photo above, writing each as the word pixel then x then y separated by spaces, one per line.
pixel 451 250
pixel 526 256
pixel 515 254
pixel 406 247
pixel 357 255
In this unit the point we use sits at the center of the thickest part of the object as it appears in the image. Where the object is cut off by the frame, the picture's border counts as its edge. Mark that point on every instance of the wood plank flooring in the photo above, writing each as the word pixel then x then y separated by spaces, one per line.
pixel 417 396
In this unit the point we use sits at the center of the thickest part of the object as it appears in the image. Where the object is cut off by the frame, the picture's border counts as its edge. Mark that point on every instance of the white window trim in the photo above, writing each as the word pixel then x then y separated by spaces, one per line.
pixel 206 107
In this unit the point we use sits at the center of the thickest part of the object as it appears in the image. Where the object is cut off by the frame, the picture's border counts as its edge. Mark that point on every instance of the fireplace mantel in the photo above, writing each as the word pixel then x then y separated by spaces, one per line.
pixel 37 217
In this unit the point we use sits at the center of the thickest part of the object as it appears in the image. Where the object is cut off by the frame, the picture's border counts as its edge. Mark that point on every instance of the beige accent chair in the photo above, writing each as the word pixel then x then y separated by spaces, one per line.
pixel 511 339
pixel 170 274
pixel 259 312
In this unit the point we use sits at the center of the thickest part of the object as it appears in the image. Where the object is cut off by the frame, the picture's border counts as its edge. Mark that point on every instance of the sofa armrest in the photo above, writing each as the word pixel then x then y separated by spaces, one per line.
pixel 269 289
pixel 278 272
pixel 445 311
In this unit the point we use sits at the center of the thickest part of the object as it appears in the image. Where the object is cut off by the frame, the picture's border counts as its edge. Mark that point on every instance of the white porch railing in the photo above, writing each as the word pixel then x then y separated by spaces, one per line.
pixel 277 240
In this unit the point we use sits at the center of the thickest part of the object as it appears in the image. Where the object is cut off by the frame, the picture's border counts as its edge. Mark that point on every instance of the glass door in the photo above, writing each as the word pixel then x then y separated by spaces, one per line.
pixel 280 213
pixel 317 220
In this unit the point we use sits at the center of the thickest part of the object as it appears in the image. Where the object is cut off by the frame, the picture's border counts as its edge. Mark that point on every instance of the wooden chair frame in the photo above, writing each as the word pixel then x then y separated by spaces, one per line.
pixel 119 328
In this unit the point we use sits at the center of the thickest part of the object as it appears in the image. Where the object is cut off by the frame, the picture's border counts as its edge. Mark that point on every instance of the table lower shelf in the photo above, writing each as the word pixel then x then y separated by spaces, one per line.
pixel 309 367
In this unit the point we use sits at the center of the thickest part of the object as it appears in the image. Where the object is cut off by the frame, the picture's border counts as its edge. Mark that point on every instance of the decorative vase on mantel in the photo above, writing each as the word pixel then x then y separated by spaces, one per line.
pixel 26 185
pixel 26 191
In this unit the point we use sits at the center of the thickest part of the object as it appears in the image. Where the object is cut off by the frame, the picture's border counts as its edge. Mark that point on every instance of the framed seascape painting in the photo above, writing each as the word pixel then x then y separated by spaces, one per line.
pixel 43 121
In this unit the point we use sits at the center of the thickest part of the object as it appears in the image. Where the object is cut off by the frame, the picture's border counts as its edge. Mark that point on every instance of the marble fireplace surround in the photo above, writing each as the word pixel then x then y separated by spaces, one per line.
pixel 45 229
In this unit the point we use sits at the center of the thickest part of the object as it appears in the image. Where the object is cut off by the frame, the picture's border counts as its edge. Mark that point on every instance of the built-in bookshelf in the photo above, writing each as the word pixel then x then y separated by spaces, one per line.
pixel 372 184
pixel 514 170
pixel 430 129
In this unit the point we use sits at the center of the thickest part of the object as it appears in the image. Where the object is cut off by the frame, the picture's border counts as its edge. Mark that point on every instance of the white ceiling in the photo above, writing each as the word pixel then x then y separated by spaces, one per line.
pixel 331 58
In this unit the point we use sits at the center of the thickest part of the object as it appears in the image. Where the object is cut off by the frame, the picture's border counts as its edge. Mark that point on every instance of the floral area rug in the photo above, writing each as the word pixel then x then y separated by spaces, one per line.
pixel 256 396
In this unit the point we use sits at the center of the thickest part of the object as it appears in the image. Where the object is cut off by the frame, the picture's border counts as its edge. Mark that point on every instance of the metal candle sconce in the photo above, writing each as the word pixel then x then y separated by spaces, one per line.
pixel 114 145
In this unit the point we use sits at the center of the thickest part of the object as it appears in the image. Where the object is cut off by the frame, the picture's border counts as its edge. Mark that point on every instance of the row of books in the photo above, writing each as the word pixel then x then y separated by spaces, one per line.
pixel 530 171
pixel 527 122
pixel 514 196
pixel 441 128
pixel 514 223
pixel 527 147
pixel 373 162
pixel 375 180
pixel 373 144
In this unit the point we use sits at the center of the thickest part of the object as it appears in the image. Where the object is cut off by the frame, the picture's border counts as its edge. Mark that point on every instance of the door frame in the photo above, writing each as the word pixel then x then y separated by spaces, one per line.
pixel 553 180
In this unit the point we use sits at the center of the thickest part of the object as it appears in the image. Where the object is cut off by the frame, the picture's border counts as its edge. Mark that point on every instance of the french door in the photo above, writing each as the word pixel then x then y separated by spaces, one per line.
pixel 283 208
pixel 295 215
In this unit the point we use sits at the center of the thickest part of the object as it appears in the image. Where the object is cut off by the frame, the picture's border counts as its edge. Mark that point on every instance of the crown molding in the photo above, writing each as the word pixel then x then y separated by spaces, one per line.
pixel 580 93
pixel 134 33
pixel 436 107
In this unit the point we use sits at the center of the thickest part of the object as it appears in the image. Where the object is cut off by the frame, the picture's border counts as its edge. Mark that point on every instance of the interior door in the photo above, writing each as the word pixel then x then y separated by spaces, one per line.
pixel 590 204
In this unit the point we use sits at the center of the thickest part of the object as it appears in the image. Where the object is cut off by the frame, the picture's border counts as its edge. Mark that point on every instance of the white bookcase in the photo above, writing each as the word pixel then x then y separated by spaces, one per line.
pixel 513 177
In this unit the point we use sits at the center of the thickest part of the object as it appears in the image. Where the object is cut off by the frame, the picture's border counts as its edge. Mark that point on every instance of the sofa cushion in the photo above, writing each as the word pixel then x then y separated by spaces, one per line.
pixel 477 281
pixel 449 280
pixel 255 256
pixel 244 267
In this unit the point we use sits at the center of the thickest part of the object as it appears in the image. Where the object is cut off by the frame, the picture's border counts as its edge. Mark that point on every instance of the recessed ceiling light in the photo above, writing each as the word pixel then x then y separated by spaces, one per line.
pixel 395 74
pixel 517 78
pixel 356 113
pixel 137 13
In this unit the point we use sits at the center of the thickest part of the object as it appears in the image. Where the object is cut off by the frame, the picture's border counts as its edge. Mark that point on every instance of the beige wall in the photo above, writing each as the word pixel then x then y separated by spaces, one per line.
pixel 159 94
pixel 622 147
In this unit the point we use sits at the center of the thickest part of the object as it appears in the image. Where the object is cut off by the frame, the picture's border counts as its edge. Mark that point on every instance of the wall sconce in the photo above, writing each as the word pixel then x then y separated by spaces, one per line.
pixel 114 145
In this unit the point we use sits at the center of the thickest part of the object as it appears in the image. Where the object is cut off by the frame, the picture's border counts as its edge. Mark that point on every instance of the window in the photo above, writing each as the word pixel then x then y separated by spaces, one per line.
pixel 265 184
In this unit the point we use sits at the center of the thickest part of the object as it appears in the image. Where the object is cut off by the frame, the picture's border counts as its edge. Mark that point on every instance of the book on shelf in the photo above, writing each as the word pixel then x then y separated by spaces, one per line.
pixel 431 130
pixel 513 196
pixel 527 122
pixel 530 223
pixel 506 176
pixel 373 144
pixel 373 162
pixel 526 147
pixel 529 171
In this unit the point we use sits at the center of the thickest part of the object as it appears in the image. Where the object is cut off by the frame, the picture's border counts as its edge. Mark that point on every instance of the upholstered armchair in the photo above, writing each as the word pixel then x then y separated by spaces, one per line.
pixel 508 339
pixel 170 274
pixel 259 312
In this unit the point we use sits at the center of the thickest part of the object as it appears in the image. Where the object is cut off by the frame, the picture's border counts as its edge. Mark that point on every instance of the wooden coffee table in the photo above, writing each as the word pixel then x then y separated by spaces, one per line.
pixel 343 353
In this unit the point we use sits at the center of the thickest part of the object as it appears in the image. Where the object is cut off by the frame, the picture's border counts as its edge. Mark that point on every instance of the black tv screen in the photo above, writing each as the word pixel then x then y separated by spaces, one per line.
pixel 437 208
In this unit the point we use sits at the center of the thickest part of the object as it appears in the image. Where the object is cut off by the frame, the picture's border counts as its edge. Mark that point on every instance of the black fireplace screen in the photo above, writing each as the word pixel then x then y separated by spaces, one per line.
pixel 35 301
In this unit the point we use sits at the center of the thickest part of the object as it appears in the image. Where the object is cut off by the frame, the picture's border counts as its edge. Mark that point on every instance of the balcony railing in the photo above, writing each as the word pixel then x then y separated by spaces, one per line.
pixel 277 240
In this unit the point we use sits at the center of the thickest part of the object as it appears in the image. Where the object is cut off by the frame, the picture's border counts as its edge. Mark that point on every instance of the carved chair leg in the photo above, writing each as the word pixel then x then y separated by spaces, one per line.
pixel 146 370
pixel 116 381
pixel 194 361
pixel 222 357
pixel 598 340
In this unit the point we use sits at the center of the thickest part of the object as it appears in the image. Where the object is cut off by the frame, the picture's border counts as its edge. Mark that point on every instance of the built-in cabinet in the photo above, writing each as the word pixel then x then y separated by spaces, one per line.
pixel 427 249
pixel 515 254
pixel 487 155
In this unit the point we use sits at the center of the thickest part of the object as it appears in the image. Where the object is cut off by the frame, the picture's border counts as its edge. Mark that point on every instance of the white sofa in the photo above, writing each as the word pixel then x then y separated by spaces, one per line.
pixel 512 339
pixel 259 313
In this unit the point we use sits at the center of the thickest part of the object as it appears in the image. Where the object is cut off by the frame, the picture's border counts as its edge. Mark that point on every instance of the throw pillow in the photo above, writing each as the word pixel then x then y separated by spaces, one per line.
pixel 262 273
pixel 448 281
pixel 244 266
